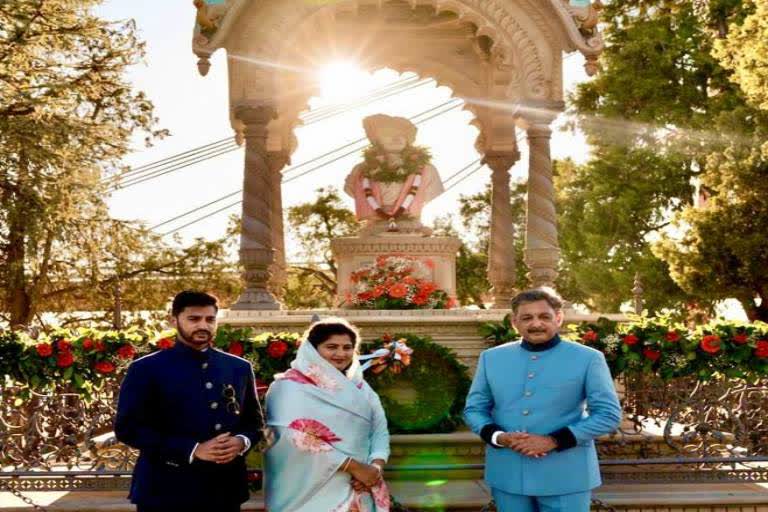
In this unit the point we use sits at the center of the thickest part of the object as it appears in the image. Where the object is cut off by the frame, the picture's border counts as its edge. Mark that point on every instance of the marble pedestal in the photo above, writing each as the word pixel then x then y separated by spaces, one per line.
pixel 352 253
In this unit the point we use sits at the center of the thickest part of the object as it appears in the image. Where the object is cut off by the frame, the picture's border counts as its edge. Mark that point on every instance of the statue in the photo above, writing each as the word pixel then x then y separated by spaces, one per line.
pixel 395 180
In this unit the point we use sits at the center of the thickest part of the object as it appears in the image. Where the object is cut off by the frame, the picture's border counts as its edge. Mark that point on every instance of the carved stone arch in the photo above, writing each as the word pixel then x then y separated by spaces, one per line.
pixel 269 27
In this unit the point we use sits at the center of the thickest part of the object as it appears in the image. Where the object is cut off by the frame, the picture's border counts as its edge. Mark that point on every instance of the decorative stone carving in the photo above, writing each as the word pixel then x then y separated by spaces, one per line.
pixel 542 250
pixel 501 257
pixel 257 250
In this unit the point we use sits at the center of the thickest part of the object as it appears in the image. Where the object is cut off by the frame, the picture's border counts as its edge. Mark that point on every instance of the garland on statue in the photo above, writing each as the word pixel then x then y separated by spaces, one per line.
pixel 367 188
pixel 376 166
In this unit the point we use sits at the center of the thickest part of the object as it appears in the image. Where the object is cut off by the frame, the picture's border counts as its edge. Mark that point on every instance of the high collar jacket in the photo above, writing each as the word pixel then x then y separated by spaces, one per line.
pixel 170 401
pixel 566 387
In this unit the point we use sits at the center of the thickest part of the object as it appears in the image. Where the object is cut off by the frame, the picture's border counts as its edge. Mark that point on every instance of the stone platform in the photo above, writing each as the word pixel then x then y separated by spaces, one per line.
pixel 457 329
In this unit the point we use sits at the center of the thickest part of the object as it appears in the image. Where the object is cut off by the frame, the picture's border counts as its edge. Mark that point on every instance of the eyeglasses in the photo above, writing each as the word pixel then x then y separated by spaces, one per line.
pixel 230 398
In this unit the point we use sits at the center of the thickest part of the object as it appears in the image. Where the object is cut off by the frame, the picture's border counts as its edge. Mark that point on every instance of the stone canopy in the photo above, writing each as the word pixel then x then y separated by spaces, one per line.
pixel 502 57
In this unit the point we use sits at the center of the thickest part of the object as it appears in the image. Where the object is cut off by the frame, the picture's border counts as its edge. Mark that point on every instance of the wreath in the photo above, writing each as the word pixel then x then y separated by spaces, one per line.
pixel 426 396
pixel 377 168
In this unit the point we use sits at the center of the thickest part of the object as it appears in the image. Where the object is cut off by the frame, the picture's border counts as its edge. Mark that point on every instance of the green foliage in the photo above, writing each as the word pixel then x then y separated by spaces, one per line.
pixel 426 396
pixel 744 51
pixel 498 333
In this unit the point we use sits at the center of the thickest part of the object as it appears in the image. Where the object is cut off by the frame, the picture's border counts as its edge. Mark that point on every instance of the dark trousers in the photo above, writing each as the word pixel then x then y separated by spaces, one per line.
pixel 217 508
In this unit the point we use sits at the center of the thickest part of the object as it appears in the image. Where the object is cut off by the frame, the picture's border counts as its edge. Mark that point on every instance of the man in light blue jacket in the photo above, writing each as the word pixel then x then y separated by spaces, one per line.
pixel 539 404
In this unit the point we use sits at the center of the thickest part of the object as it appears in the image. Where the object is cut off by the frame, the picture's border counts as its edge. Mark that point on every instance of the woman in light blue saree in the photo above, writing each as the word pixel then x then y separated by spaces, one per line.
pixel 331 438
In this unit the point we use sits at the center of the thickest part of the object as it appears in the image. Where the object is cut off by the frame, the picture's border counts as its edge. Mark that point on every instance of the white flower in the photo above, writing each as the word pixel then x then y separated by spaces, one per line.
pixel 611 342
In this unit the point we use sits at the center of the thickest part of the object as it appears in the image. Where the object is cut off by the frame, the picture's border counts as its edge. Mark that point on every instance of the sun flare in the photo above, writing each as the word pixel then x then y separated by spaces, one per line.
pixel 341 81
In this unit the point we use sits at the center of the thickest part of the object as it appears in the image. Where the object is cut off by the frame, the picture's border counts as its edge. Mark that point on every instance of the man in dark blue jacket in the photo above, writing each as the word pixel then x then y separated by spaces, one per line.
pixel 193 414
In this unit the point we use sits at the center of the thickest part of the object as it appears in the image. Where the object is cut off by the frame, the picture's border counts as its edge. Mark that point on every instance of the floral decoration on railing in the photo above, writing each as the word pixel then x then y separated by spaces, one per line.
pixel 83 360
pixel 397 282
pixel 667 349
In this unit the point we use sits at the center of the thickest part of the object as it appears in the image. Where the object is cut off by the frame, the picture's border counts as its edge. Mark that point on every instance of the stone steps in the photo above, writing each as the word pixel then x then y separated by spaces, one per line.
pixel 465 495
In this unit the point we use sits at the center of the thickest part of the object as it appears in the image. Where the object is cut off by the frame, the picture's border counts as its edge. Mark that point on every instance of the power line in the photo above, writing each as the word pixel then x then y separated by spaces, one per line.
pixel 223 146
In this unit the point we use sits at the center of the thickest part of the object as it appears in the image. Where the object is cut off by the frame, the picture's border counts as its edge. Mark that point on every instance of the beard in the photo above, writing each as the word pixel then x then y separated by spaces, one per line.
pixel 189 337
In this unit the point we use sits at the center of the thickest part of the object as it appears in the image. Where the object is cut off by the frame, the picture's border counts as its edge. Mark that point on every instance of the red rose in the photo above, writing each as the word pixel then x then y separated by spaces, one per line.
pixel 630 339
pixel 165 343
pixel 652 353
pixel 87 344
pixel 761 349
pixel 104 367
pixel 710 344
pixel 398 291
pixel 64 345
pixel 100 346
pixel 65 359
pixel 236 348
pixel 126 352
pixel 44 349
pixel 740 339
pixel 672 336
pixel 277 349
pixel 589 336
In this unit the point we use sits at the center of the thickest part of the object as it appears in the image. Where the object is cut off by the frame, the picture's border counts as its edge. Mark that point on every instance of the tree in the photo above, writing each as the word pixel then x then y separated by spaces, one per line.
pixel 719 249
pixel 743 49
pixel 67 117
pixel 315 224
pixel 652 118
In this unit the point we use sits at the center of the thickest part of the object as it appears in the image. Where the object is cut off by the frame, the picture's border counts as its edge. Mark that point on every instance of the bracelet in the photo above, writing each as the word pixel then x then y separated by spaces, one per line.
pixel 378 467
pixel 346 465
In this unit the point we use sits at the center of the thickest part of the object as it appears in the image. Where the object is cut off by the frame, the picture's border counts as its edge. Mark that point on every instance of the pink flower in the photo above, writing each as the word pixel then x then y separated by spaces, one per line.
pixel 312 436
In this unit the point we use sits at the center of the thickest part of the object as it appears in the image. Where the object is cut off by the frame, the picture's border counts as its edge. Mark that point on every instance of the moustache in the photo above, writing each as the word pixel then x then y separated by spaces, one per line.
pixel 207 333
pixel 533 331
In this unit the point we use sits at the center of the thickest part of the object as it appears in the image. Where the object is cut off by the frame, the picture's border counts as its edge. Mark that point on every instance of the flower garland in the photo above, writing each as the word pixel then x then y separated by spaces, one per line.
pixel 377 168
pixel 434 383
pixel 373 203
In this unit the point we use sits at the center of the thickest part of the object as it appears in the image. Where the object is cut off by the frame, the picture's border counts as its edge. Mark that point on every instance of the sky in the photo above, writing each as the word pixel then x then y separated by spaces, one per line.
pixel 195 111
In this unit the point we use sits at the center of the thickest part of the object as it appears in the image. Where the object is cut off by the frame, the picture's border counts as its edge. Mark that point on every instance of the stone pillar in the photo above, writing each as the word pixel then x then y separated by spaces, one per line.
pixel 257 251
pixel 277 160
pixel 542 249
pixel 501 249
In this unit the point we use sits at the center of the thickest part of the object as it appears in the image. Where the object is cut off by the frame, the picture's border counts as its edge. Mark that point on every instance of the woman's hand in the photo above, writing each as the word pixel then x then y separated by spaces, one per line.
pixel 359 486
pixel 367 474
